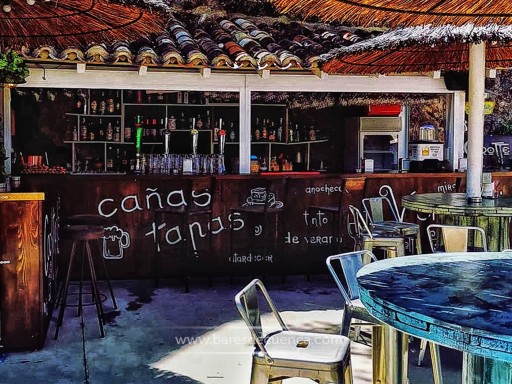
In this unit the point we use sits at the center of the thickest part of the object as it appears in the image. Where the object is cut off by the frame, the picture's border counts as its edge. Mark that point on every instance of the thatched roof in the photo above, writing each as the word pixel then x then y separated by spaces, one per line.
pixel 74 22
pixel 393 13
pixel 420 49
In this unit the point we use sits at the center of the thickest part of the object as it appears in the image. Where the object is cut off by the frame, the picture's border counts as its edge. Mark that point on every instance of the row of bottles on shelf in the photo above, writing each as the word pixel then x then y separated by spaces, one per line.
pixel 278 163
pixel 98 102
pixel 97 130
pixel 267 130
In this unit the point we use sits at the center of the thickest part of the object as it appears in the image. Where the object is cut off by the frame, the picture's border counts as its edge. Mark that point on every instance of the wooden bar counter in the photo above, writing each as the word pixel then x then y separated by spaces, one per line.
pixel 130 200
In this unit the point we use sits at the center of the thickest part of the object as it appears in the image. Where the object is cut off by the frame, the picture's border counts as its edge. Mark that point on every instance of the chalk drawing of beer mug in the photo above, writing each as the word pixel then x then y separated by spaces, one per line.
pixel 115 241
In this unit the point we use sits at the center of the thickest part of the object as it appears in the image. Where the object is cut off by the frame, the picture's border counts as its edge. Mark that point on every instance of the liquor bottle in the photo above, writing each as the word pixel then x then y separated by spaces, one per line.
pixel 75 133
pixel 117 132
pixel 79 102
pixel 101 131
pixel 160 97
pixel 102 104
pixel 117 161
pixel 94 106
pixel 185 97
pixel 83 130
pixel 109 162
pixel 216 130
pixel 183 121
pixel 109 134
pixel 171 123
pixel 280 130
pixel 199 123
pixel 117 103
pixel 290 134
pixel 208 122
pixel 232 133
pixel 264 130
pixel 263 164
pixel 110 104
pixel 127 134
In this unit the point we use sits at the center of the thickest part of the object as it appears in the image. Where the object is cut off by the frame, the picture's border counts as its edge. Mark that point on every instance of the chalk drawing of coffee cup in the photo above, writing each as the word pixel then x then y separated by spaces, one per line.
pixel 115 241
pixel 258 196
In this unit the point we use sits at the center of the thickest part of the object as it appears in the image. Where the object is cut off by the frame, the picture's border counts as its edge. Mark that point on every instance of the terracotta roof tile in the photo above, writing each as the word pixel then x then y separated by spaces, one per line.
pixel 233 42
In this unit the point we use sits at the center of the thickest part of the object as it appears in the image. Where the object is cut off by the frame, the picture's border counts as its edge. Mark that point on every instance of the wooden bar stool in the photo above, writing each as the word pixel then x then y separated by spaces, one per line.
pixel 80 235
pixel 101 221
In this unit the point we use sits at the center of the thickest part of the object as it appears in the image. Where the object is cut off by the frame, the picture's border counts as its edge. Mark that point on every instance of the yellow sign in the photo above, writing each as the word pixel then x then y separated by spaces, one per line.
pixel 488 107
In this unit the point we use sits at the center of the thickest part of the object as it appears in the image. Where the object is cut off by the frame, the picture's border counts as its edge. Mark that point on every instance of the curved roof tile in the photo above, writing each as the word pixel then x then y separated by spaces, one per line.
pixel 229 42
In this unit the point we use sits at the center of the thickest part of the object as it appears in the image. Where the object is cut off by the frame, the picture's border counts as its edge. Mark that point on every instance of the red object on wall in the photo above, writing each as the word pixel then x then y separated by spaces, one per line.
pixel 384 110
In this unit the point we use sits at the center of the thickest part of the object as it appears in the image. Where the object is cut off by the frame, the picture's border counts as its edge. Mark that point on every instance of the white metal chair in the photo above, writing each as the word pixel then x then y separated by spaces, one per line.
pixel 283 354
pixel 377 237
pixel 343 268
pixel 456 238
pixel 382 212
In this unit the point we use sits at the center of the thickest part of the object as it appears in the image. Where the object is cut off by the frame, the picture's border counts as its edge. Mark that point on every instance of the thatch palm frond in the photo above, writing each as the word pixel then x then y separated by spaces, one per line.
pixel 68 22
pixel 421 49
pixel 394 13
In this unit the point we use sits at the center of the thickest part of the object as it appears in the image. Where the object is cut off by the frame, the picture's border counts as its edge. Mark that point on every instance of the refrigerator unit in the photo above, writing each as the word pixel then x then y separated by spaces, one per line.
pixel 381 139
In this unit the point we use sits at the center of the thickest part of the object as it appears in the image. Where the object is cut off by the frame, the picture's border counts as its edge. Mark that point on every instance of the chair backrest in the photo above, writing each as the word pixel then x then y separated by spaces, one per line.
pixel 248 304
pixel 356 224
pixel 455 238
pixel 343 268
pixel 379 209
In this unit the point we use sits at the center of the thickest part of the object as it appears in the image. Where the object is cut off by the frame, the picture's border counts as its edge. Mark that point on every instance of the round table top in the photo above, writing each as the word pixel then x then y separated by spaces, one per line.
pixel 456 204
pixel 460 300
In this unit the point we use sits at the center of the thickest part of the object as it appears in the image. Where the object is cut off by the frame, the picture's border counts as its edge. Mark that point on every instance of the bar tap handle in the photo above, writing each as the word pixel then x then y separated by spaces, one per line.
pixel 166 135
pixel 195 133
pixel 222 141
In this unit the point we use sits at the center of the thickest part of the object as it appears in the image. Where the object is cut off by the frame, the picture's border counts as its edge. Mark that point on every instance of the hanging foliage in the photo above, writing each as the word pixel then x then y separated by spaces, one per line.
pixel 13 69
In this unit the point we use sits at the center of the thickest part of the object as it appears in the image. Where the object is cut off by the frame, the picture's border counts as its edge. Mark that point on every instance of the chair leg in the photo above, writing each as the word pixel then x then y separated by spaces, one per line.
pixel 346 322
pixel 435 356
pixel 423 348
pixel 259 375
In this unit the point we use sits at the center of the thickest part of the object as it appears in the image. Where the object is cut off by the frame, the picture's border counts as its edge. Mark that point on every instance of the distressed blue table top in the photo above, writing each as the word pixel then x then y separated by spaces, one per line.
pixel 463 301
pixel 457 204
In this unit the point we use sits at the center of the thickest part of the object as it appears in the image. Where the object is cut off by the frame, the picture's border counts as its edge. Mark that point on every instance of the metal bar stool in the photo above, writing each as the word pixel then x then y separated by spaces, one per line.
pixel 101 221
pixel 81 235
pixel 387 238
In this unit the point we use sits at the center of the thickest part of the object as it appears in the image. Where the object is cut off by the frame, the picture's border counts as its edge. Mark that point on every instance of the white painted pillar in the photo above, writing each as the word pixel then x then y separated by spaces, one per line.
pixel 475 122
pixel 245 131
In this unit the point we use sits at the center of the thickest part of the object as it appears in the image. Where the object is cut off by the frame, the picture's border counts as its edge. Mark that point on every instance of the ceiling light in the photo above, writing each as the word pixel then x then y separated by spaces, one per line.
pixel 31 2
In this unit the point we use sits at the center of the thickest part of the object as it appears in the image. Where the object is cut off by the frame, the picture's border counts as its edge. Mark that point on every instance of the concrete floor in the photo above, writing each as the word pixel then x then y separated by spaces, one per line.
pixel 167 336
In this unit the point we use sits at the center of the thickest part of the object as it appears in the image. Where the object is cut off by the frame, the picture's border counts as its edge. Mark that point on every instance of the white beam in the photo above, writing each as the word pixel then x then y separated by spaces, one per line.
pixel 230 82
